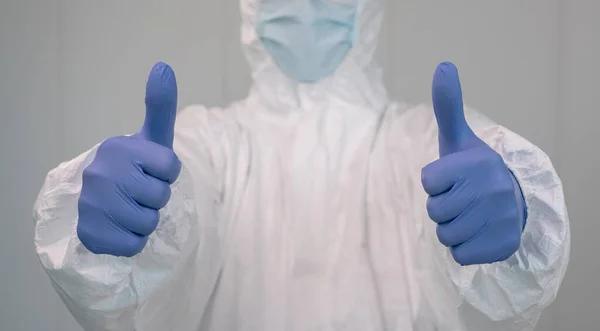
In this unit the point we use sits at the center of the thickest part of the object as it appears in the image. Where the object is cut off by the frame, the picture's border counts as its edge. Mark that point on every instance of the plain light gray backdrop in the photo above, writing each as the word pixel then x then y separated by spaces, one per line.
pixel 73 73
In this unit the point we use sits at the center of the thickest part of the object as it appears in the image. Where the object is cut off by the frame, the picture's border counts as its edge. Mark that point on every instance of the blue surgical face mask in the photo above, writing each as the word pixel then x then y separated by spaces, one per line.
pixel 308 39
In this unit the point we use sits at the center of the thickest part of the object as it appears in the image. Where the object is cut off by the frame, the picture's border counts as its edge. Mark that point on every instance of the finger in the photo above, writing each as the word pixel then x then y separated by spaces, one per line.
pixel 463 227
pixel 449 205
pixel 133 217
pixel 487 247
pixel 453 130
pixel 119 241
pixel 124 243
pixel 439 176
pixel 155 160
pixel 148 191
pixel 161 106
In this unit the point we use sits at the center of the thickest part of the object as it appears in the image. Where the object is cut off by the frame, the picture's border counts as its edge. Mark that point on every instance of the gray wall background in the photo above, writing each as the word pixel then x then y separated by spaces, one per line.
pixel 73 72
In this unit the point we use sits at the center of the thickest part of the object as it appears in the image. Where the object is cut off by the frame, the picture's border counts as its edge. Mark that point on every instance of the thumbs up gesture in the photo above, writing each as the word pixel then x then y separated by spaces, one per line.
pixel 128 181
pixel 473 197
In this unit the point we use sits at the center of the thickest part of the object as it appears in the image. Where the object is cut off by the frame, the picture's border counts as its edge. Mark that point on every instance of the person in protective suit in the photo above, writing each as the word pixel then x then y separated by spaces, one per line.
pixel 314 204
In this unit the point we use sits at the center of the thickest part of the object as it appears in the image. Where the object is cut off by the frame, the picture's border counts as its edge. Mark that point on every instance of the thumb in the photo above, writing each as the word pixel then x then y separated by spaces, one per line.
pixel 161 106
pixel 454 134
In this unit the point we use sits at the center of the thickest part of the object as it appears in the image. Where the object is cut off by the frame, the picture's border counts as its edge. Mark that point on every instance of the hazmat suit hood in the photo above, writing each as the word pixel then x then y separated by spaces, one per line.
pixel 358 79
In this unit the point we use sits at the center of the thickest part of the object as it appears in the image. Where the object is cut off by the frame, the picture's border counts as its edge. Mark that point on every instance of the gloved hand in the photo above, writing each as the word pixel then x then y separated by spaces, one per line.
pixel 473 197
pixel 128 181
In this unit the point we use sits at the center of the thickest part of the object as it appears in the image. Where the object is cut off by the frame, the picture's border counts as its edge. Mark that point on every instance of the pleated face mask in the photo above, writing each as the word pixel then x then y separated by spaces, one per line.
pixel 308 39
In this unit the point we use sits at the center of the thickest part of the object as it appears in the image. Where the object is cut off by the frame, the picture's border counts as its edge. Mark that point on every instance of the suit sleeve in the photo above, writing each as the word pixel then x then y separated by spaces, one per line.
pixel 508 295
pixel 153 290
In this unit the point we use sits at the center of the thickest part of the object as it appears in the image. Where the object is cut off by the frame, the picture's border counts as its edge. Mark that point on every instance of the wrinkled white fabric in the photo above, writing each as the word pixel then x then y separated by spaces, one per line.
pixel 301 208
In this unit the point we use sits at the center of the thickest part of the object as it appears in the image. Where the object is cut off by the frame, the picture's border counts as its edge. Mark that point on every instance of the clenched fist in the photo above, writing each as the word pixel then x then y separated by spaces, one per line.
pixel 128 181
pixel 473 197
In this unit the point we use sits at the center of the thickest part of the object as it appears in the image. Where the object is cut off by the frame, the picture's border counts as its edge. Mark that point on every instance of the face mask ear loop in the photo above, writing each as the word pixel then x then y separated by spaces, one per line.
pixel 357 14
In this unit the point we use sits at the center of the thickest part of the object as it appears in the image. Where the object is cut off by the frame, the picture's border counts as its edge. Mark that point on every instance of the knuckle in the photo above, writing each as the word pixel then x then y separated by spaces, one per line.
pixel 512 244
pixel 90 173
pixel 150 221
pixel 467 255
pixel 139 221
pixel 115 148
pixel 89 241
pixel 132 245
pixel 429 205
pixel 93 249
pixel 83 235
pixel 142 222
pixel 508 248
pixel 495 158
pixel 428 182
pixel 425 176
pixel 433 210
pixel 173 164
pixel 164 194
pixel 109 144
pixel 83 204
pixel 443 235
pixel 461 256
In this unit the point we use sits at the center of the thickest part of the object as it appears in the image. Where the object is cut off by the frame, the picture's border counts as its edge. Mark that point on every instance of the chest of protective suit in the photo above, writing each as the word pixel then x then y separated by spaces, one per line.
pixel 297 217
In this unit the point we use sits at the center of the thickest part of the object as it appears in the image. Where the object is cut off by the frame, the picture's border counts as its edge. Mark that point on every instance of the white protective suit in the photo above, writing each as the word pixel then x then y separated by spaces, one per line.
pixel 301 208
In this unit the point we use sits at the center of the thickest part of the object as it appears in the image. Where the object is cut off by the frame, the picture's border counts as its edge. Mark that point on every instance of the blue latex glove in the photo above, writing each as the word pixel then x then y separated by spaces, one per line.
pixel 128 181
pixel 473 197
